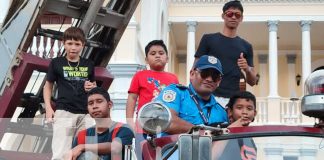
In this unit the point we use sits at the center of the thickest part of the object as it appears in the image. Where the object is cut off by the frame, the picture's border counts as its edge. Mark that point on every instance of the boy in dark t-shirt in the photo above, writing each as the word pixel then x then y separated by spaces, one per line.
pixel 241 112
pixel 105 140
pixel 74 76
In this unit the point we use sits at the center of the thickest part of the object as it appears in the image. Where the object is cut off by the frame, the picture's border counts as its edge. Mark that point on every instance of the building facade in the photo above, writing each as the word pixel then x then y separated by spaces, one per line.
pixel 285 34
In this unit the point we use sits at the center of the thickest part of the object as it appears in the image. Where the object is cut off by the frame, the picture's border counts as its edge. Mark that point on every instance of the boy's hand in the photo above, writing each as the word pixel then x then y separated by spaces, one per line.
pixel 89 85
pixel 242 63
pixel 49 115
pixel 243 121
pixel 74 153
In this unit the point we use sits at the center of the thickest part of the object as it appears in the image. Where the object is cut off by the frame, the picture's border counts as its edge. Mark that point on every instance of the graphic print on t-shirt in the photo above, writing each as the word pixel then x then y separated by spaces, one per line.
pixel 76 76
pixel 157 85
pixel 248 153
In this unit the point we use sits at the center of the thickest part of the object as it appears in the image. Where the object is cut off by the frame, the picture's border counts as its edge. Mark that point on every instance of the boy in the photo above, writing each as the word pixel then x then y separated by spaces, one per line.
pixel 241 109
pixel 147 84
pixel 107 138
pixel 241 112
pixel 74 76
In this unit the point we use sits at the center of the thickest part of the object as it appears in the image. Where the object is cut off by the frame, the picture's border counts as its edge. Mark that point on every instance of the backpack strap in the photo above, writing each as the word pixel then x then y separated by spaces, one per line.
pixel 82 136
pixel 116 129
pixel 114 134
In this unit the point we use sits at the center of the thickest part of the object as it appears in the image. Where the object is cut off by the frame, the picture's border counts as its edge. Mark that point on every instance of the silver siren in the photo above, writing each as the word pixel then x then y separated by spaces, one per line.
pixel 154 117
pixel 313 101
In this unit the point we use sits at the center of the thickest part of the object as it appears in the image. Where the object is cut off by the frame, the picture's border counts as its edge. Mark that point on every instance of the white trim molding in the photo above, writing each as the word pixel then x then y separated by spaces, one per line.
pixel 248 18
pixel 243 1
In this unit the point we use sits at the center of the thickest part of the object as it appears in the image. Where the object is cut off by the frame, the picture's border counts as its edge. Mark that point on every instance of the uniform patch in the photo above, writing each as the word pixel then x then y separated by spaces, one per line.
pixel 169 95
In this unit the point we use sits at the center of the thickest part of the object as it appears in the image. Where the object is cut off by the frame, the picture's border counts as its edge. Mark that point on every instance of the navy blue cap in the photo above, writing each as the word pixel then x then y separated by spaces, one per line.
pixel 206 61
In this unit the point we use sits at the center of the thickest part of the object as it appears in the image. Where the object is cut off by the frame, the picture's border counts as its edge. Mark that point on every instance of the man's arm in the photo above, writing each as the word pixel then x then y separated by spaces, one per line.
pixel 250 76
pixel 130 109
pixel 249 71
pixel 47 94
pixel 178 125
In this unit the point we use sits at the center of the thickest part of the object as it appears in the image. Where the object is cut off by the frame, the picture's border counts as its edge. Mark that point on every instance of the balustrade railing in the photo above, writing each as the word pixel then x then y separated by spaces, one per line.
pixel 289 111
pixel 45 47
pixel 262 111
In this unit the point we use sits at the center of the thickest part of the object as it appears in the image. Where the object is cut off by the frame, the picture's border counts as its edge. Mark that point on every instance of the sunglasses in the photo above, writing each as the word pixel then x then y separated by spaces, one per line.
pixel 205 73
pixel 230 14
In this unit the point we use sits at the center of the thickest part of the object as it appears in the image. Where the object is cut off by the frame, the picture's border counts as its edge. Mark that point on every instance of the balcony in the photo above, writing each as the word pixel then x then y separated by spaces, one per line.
pixel 288 112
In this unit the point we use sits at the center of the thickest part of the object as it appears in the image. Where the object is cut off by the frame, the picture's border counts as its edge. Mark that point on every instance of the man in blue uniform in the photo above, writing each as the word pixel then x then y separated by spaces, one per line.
pixel 195 104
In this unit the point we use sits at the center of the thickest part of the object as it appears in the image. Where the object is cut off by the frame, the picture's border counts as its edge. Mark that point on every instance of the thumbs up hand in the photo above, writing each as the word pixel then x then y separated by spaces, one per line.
pixel 242 63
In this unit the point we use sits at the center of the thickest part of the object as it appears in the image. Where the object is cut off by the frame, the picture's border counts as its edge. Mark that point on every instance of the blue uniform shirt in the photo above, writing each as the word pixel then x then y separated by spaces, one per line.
pixel 178 99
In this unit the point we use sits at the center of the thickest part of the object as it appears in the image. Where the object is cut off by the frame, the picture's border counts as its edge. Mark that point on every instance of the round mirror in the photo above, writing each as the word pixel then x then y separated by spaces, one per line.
pixel 154 117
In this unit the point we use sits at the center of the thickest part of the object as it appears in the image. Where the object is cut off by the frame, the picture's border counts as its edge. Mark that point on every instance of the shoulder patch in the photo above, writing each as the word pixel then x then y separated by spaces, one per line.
pixel 182 87
pixel 169 95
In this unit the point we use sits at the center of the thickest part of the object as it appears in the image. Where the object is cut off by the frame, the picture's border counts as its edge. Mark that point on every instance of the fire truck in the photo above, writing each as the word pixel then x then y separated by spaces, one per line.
pixel 262 142
pixel 104 22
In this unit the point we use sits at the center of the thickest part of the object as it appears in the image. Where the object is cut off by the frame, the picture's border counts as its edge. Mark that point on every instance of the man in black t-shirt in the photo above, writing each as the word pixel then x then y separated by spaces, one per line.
pixel 74 76
pixel 235 53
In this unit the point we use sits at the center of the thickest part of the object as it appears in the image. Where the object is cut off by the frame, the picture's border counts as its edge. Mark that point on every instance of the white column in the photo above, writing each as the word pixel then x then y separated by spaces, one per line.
pixel 291 61
pixel 191 29
pixel 263 60
pixel 306 50
pixel 273 59
pixel 150 23
pixel 4 6
pixel 168 44
pixel 181 68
